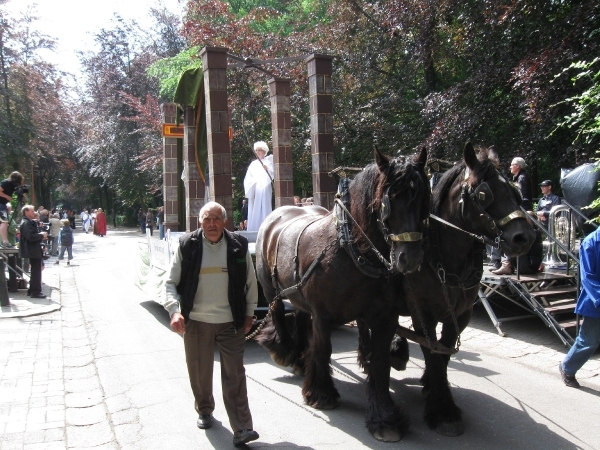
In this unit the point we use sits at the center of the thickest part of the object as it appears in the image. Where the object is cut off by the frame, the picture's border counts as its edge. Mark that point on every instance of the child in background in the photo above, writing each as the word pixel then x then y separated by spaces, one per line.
pixel 66 241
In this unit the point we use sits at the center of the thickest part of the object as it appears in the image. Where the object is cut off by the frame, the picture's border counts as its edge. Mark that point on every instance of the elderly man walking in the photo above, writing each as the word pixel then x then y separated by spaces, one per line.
pixel 211 297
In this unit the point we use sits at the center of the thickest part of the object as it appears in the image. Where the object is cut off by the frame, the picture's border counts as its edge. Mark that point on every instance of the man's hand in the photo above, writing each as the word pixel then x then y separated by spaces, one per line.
pixel 178 323
pixel 248 324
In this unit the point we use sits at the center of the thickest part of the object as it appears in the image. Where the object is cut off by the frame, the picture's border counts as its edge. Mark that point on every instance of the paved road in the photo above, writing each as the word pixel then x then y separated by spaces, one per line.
pixel 105 371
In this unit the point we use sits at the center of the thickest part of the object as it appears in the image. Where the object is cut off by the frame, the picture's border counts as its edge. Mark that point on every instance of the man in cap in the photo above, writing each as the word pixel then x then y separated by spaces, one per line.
pixel 546 202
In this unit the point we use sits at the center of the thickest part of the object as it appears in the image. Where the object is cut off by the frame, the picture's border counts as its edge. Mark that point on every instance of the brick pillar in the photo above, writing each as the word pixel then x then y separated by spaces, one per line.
pixel 279 90
pixel 214 62
pixel 321 128
pixel 170 173
pixel 194 186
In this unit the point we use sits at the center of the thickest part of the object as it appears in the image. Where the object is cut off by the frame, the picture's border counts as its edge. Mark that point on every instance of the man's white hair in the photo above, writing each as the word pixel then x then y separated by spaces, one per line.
pixel 519 162
pixel 261 145
pixel 27 208
pixel 206 209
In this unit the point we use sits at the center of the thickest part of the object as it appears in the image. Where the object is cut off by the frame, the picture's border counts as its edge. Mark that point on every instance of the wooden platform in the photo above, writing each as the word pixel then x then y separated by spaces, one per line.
pixel 550 295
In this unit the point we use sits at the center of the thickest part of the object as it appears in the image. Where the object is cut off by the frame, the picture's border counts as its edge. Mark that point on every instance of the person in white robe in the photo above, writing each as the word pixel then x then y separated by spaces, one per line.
pixel 85 220
pixel 258 186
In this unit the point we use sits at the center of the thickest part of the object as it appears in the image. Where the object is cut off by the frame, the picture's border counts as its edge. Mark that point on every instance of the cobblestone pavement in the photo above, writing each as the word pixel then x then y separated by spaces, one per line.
pixel 52 397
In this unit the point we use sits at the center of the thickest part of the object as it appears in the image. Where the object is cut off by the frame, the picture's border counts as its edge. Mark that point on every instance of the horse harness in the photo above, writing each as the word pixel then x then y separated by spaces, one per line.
pixel 342 218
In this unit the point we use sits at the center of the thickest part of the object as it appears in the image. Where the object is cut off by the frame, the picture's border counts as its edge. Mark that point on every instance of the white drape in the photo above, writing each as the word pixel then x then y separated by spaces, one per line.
pixel 258 190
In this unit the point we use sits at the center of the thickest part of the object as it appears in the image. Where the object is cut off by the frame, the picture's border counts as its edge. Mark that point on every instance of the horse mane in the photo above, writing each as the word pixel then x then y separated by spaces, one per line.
pixel 488 164
pixel 369 186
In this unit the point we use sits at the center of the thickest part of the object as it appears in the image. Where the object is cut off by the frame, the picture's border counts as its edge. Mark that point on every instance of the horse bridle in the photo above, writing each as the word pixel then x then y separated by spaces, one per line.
pixel 482 197
pixel 385 211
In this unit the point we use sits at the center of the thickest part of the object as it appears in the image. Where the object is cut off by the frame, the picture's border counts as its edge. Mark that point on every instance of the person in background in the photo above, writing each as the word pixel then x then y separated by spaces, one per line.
pixel 8 187
pixel 545 204
pixel 150 220
pixel 55 226
pixel 93 224
pixel 100 223
pixel 66 242
pixel 257 186
pixel 30 246
pixel 244 212
pixel 44 214
pixel 160 219
pixel 211 295
pixel 588 306
pixel 85 220
pixel 520 178
pixel 142 220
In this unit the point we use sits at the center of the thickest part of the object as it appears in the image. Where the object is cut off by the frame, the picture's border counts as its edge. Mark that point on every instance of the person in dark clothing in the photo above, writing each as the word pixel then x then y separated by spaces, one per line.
pixel 30 246
pixel 142 220
pixel 519 176
pixel 150 221
pixel 244 211
pixel 546 203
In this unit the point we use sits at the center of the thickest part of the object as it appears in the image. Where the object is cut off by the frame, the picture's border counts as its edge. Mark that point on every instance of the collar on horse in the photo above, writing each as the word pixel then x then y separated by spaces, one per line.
pixel 342 219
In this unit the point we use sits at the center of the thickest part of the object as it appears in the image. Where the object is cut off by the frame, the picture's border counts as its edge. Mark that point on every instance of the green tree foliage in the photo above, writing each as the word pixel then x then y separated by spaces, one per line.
pixel 585 106
pixel 434 73
pixel 167 71
pixel 37 134
pixel 121 145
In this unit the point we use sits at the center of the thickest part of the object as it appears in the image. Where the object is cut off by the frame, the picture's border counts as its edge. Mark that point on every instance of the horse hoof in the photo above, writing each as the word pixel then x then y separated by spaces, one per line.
pixel 388 435
pixel 325 405
pixel 298 370
pixel 398 364
pixel 450 429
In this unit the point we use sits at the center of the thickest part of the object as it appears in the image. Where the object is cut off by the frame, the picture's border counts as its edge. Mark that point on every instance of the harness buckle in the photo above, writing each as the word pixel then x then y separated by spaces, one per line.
pixel 441 273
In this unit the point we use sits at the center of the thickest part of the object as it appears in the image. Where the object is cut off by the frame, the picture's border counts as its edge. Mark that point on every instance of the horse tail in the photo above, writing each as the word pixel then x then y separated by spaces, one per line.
pixel 276 338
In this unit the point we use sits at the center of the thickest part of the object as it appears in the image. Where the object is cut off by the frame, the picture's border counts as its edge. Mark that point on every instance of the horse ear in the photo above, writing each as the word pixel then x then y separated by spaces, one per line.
pixel 382 160
pixel 469 156
pixel 420 157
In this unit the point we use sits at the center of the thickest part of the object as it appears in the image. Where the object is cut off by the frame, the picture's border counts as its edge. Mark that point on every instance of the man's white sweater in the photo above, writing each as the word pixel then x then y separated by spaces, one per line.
pixel 211 303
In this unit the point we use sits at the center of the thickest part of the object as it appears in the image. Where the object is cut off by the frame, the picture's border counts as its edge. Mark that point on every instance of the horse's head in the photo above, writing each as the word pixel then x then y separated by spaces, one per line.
pixel 490 204
pixel 401 202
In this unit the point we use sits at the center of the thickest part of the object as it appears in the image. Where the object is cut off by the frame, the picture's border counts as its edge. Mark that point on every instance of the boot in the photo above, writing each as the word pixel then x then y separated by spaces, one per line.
pixel 506 269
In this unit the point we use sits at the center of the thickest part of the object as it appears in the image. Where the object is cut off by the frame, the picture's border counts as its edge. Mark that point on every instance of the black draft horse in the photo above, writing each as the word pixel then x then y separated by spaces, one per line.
pixel 476 201
pixel 298 254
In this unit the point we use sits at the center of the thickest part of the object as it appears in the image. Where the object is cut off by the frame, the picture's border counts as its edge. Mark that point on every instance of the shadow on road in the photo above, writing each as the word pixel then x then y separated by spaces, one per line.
pixel 490 423
pixel 158 312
